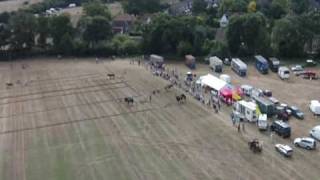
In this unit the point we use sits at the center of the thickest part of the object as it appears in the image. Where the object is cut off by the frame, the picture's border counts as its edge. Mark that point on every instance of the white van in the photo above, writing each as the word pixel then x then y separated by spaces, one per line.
pixel 315 107
pixel 315 132
pixel 263 122
pixel 284 72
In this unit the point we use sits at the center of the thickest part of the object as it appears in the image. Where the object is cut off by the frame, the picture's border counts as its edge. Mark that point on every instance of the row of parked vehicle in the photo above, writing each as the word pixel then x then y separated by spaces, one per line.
pixel 282 112
pixel 263 65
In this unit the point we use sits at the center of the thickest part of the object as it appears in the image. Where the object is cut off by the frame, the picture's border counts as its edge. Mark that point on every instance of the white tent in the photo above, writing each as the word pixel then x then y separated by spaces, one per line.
pixel 212 82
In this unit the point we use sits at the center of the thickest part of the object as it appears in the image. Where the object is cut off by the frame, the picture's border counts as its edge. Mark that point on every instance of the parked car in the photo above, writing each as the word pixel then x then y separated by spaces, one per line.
pixel 283 149
pixel 299 73
pixel 296 112
pixel 286 109
pixel 281 128
pixel 310 63
pixel 283 116
pixel 227 61
pixel 297 68
pixel 305 142
pixel 274 100
pixel 267 92
pixel 315 132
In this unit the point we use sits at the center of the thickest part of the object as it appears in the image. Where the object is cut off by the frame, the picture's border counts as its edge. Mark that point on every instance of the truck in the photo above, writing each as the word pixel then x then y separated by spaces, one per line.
pixel 190 61
pixel 239 67
pixel 274 64
pixel 156 60
pixel 262 64
pixel 284 72
pixel 262 122
pixel 215 64
pixel 247 110
pixel 265 105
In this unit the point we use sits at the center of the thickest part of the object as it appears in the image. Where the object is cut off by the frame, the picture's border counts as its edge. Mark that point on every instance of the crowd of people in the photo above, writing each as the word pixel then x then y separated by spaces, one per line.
pixel 184 81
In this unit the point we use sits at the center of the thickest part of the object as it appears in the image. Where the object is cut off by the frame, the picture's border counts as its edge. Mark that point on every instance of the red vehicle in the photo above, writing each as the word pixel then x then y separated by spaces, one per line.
pixel 309 75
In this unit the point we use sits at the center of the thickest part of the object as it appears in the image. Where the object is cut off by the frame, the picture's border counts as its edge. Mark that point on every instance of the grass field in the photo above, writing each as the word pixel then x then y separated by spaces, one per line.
pixel 14 5
pixel 65 120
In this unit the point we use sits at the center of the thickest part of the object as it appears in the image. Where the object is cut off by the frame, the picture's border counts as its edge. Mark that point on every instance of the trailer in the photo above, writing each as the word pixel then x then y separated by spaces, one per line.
pixel 190 61
pixel 215 64
pixel 265 105
pixel 261 64
pixel 247 110
pixel 262 122
pixel 274 64
pixel 239 67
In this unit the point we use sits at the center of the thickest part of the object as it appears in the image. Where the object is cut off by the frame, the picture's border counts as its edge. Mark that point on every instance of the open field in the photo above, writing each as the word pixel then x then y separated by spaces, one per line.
pixel 76 12
pixel 65 120
pixel 13 5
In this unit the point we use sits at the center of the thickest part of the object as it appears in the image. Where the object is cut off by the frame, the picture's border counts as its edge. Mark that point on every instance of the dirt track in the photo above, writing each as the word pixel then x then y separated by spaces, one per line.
pixel 66 120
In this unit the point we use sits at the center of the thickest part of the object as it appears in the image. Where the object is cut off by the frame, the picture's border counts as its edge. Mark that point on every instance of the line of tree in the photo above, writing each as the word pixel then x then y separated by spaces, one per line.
pixel 282 27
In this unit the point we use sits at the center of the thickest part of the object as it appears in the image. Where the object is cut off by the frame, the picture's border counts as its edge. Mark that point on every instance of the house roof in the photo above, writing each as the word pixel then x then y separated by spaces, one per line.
pixel 125 17
pixel 224 19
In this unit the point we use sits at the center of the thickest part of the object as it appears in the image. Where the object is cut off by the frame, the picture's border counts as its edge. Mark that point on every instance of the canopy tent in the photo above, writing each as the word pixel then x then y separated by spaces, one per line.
pixel 212 82
pixel 231 93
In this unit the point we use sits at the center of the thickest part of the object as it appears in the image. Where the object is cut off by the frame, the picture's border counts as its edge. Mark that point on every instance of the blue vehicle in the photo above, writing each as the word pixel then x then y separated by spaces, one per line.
pixel 262 64
pixel 239 67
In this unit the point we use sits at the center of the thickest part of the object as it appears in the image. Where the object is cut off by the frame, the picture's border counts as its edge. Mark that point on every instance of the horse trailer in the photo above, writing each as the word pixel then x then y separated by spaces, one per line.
pixel 239 67
pixel 262 64
pixel 248 110
pixel 215 64
pixel 274 64
pixel 262 122
pixel 190 61
pixel 265 105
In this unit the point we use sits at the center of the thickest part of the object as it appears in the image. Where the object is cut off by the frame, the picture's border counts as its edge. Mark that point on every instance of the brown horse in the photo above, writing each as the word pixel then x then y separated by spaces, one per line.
pixel 111 76
pixel 181 98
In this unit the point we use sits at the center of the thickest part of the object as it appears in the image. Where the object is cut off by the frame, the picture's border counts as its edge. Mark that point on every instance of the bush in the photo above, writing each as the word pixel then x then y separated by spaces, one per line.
pixel 184 48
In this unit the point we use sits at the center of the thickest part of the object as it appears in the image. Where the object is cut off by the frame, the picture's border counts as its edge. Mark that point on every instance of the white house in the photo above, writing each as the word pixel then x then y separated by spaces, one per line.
pixel 224 21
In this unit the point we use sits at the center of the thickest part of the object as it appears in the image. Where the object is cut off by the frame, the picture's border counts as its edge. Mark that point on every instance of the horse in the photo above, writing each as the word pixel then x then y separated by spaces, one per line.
pixel 181 98
pixel 169 86
pixel 111 76
pixel 129 100
pixel 9 85
pixel 157 91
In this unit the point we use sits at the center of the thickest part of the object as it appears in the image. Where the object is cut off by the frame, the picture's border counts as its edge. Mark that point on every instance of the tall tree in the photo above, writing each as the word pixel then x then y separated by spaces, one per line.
pixel 43 31
pixel 59 27
pixel 141 6
pixel 4 35
pixel 96 9
pixel 95 29
pixel 299 6
pixel 198 6
pixel 288 37
pixel 22 31
pixel 248 33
